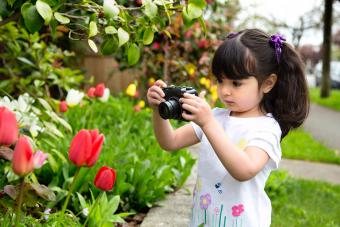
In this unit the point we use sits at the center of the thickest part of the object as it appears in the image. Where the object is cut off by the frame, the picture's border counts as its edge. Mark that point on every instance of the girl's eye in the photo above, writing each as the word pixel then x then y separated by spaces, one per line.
pixel 236 83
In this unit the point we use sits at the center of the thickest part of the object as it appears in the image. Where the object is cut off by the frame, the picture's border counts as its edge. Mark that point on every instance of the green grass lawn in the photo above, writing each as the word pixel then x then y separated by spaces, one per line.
pixel 333 101
pixel 299 144
pixel 305 203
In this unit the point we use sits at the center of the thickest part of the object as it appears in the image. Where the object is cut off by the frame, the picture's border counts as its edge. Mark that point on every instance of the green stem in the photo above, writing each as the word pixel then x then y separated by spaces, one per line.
pixel 92 207
pixel 70 191
pixel 21 193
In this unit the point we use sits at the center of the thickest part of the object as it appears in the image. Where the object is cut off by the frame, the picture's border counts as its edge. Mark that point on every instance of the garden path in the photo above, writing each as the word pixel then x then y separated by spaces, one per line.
pixel 322 123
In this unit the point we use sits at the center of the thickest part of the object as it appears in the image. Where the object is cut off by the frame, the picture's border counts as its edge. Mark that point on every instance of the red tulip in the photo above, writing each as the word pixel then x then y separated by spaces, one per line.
pixel 22 161
pixel 63 106
pixel 105 178
pixel 8 127
pixel 90 92
pixel 100 88
pixel 85 147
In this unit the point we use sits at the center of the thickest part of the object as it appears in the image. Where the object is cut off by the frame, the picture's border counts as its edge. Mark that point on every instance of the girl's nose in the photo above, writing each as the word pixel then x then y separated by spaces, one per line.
pixel 225 90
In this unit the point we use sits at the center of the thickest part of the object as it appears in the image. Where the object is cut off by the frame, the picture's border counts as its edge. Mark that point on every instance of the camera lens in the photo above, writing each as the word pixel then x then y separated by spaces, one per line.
pixel 170 109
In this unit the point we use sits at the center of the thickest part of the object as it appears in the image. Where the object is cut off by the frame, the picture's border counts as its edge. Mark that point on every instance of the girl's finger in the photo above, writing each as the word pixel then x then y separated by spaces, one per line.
pixel 190 102
pixel 189 108
pixel 188 117
pixel 160 83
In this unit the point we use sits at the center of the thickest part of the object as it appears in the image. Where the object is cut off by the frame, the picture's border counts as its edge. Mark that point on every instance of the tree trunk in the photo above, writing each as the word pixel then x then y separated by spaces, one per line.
pixel 326 58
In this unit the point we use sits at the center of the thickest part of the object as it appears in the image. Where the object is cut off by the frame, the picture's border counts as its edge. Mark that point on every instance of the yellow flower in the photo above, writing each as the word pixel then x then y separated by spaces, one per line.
pixel 207 83
pixel 131 90
pixel 213 91
pixel 203 80
pixel 190 68
pixel 141 103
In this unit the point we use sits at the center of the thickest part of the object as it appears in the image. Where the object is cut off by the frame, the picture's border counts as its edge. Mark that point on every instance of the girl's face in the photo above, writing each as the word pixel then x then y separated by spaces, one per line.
pixel 241 97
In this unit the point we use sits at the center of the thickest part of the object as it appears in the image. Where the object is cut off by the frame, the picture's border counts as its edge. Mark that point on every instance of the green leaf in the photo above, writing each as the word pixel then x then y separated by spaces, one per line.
pixel 33 21
pixel 199 3
pixel 194 11
pixel 150 9
pixel 148 36
pixel 133 54
pixel 93 30
pixel 62 19
pixel 123 36
pixel 109 46
pixel 81 200
pixel 110 8
pixel 202 23
pixel 52 128
pixel 167 33
pixel 45 104
pixel 188 22
pixel 110 30
pixel 92 45
pixel 43 191
pixel 44 10
pixel 26 61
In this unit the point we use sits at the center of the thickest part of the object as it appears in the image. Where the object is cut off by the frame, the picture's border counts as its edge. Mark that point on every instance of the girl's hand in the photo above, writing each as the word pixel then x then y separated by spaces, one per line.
pixel 200 111
pixel 155 94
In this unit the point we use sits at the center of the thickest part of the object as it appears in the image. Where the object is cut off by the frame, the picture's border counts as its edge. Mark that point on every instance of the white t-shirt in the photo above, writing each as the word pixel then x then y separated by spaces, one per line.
pixel 219 199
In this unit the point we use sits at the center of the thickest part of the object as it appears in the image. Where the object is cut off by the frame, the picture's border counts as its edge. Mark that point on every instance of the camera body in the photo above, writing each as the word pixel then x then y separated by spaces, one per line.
pixel 171 108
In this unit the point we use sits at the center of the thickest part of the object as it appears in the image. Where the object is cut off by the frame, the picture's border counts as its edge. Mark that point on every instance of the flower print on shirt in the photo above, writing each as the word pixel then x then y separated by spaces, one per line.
pixel 237 210
pixel 205 201
pixel 242 144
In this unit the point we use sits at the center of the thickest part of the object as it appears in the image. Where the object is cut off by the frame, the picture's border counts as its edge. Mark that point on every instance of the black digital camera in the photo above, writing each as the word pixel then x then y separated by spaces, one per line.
pixel 171 108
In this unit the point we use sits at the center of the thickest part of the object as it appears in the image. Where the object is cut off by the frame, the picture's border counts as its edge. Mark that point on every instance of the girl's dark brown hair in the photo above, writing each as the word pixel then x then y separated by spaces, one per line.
pixel 249 53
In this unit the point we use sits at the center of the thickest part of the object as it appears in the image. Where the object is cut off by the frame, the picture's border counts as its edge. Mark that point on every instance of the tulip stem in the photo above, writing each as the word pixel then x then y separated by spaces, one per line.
pixel 21 193
pixel 70 191
pixel 93 206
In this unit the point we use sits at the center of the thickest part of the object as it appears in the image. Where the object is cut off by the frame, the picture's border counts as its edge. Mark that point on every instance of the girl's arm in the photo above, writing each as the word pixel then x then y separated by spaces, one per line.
pixel 170 139
pixel 241 164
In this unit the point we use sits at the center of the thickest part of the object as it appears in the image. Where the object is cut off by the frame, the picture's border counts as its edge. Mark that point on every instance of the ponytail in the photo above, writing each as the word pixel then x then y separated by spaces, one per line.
pixel 289 100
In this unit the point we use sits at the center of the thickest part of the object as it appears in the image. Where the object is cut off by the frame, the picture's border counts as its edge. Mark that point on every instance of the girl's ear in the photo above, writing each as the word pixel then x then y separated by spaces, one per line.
pixel 269 83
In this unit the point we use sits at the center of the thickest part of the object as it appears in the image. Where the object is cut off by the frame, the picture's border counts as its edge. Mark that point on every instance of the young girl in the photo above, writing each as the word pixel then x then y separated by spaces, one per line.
pixel 261 82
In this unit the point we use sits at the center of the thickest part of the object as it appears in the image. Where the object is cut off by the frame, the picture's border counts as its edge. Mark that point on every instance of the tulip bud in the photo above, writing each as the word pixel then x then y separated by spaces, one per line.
pixel 105 178
pixel 63 106
pixel 22 161
pixel 90 92
pixel 8 127
pixel 100 89
pixel 85 147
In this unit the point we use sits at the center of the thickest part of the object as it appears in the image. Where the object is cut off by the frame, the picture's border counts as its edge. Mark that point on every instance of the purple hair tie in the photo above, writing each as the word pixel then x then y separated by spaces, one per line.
pixel 232 35
pixel 277 42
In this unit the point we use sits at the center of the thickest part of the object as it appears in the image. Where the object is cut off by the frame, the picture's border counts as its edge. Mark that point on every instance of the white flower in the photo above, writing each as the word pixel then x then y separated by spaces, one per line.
pixel 85 211
pixel 106 95
pixel 47 212
pixel 35 129
pixel 74 97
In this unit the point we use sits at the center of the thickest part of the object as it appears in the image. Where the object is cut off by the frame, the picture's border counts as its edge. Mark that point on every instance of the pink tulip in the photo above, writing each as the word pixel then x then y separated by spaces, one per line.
pixel 8 127
pixel 63 106
pixel 105 178
pixel 100 88
pixel 39 158
pixel 22 161
pixel 85 147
